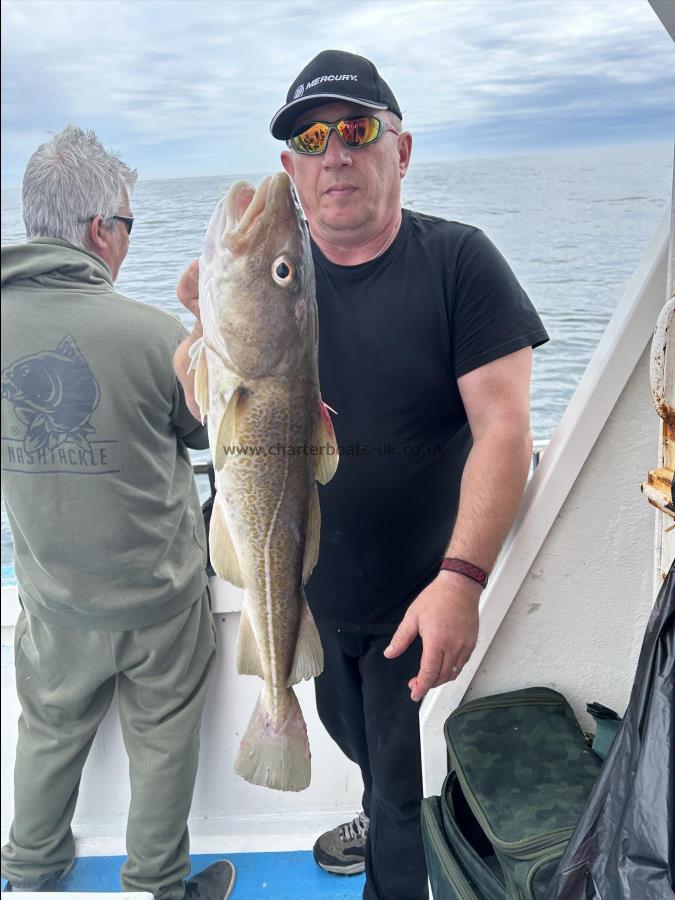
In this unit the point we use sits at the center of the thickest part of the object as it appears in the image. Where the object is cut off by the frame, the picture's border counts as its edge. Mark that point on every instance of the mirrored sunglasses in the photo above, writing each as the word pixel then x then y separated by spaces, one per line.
pixel 354 131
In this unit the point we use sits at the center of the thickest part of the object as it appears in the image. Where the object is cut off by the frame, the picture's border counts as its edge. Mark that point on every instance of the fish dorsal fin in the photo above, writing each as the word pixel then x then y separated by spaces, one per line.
pixel 68 348
pixel 313 534
pixel 227 428
pixel 221 549
pixel 324 437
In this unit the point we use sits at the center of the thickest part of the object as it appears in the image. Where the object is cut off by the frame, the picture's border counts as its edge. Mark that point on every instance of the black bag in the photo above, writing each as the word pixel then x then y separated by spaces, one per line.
pixel 624 845
pixel 607 724
pixel 520 775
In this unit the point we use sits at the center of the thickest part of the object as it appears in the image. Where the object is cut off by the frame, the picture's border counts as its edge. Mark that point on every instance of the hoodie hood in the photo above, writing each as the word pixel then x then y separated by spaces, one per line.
pixel 54 263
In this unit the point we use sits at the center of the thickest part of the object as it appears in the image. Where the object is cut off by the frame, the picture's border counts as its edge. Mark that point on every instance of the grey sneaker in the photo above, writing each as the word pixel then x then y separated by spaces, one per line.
pixel 214 883
pixel 343 850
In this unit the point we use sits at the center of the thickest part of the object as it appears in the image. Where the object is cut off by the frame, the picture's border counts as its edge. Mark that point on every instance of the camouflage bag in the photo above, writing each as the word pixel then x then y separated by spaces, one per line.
pixel 520 774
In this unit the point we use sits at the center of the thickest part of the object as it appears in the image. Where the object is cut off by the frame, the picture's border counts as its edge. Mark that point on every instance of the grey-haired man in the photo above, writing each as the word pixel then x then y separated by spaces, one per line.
pixel 425 352
pixel 108 535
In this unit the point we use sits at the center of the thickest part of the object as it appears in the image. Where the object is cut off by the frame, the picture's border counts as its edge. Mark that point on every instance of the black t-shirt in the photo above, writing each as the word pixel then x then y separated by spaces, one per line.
pixel 395 334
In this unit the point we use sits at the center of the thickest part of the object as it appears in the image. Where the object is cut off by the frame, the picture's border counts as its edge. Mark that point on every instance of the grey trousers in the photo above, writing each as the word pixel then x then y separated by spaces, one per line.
pixel 65 681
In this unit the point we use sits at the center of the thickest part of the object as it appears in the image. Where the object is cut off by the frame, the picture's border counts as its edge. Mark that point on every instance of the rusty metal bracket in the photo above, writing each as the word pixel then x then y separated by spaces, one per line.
pixel 658 489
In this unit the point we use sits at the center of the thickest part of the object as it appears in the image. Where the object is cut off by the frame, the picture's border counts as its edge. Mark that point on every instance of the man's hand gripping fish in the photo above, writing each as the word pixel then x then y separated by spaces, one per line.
pixel 272 439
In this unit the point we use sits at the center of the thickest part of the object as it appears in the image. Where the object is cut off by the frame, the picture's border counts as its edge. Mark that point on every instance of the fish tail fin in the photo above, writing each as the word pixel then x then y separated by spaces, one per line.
pixel 308 659
pixel 275 756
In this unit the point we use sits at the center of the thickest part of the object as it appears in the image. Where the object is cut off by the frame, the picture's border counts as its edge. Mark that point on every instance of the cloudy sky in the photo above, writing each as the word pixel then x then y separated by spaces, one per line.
pixel 187 87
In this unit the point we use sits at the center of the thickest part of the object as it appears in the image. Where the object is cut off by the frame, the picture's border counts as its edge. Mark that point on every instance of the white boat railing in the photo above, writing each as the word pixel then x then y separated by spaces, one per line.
pixel 538 448
pixel 608 372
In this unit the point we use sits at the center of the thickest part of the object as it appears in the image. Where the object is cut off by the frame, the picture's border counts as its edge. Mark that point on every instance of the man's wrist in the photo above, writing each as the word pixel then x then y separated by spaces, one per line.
pixel 466 569
pixel 458 589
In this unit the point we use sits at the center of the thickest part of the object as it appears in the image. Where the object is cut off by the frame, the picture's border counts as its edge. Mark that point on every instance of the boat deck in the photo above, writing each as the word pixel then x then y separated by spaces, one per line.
pixel 279 876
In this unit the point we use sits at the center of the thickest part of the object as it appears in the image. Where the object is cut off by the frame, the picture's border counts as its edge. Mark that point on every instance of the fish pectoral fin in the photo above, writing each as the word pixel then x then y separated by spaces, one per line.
pixel 247 655
pixel 24 414
pixel 226 430
pixel 313 535
pixel 324 438
pixel 308 659
pixel 197 354
pixel 221 549
pixel 202 383
pixel 194 352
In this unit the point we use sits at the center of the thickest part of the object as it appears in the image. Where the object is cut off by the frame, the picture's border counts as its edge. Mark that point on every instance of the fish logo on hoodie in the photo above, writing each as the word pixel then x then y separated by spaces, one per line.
pixel 54 394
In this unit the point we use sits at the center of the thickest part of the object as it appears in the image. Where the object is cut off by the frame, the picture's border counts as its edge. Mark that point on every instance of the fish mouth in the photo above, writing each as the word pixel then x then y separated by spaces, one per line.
pixel 8 390
pixel 249 211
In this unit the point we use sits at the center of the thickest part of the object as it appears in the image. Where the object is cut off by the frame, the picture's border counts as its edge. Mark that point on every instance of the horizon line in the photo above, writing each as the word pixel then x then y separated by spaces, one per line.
pixel 483 155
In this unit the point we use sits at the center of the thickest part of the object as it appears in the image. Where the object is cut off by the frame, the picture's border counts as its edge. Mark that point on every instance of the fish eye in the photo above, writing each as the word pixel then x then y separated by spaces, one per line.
pixel 283 271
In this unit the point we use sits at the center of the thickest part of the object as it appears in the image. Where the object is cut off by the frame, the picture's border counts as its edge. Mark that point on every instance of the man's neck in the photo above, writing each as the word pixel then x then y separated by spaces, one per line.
pixel 345 250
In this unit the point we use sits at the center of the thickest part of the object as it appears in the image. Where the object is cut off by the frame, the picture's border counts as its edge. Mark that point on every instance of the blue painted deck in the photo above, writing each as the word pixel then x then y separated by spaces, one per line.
pixel 279 876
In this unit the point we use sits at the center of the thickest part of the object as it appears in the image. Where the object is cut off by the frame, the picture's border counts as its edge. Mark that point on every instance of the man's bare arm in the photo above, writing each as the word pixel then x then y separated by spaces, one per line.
pixel 497 401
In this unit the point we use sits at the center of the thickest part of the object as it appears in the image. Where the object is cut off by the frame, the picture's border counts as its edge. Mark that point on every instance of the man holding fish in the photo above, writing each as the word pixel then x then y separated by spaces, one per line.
pixel 425 354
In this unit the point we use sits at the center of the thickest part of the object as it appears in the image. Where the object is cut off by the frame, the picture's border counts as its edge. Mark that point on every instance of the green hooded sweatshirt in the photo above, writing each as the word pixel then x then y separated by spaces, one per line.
pixel 97 480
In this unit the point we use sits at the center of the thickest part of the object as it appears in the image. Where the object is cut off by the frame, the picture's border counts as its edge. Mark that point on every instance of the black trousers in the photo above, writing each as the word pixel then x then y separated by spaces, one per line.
pixel 364 703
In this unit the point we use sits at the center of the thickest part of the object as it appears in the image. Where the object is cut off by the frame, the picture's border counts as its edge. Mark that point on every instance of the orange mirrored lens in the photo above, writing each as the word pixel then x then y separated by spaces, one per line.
pixel 355 131
pixel 312 139
pixel 358 131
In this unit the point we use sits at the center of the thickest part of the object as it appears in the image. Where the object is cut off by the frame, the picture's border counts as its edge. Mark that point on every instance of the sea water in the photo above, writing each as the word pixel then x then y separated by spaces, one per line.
pixel 572 225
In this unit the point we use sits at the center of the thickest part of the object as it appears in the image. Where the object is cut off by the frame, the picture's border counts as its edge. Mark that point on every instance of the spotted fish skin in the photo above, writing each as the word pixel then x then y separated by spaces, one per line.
pixel 271 439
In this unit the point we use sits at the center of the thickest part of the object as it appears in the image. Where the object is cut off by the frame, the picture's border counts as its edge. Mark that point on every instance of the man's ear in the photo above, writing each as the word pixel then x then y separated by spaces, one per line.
pixel 97 233
pixel 287 162
pixel 404 151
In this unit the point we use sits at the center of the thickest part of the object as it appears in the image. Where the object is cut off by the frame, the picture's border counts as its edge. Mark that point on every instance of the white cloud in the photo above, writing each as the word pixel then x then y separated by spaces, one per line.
pixel 202 78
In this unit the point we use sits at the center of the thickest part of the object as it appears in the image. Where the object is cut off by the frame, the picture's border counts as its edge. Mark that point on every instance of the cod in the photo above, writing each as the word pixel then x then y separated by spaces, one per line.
pixel 271 438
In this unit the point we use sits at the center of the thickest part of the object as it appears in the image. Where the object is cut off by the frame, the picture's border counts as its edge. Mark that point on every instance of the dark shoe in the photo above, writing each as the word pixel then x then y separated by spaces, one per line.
pixel 214 883
pixel 47 883
pixel 343 850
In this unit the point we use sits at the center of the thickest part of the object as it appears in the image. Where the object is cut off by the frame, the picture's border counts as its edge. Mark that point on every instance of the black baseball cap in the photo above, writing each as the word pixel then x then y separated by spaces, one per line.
pixel 333 75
